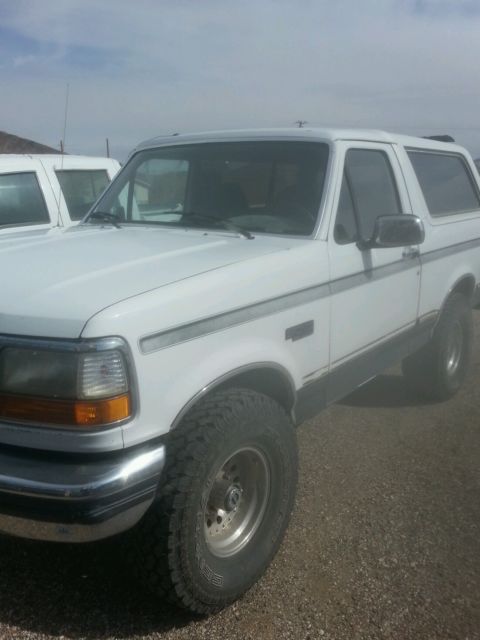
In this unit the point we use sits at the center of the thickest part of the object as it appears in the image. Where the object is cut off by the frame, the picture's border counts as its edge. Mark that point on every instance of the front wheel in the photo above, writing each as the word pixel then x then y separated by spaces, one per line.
pixel 439 369
pixel 226 501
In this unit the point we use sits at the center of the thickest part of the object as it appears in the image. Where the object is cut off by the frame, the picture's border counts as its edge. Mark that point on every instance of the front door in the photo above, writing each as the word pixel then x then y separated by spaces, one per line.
pixel 374 292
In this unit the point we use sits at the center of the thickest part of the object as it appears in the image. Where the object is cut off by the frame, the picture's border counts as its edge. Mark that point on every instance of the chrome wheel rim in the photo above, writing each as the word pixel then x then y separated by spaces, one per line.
pixel 237 501
pixel 454 349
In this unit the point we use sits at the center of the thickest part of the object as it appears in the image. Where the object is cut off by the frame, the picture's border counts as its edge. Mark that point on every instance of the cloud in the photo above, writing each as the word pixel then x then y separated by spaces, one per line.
pixel 149 67
pixel 446 8
pixel 21 61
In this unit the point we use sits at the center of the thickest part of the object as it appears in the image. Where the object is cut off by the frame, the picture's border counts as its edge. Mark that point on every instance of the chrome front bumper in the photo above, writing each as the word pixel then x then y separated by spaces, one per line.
pixel 47 496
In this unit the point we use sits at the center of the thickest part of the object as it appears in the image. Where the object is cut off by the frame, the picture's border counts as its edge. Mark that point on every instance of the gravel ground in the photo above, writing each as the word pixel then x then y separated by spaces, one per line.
pixel 384 541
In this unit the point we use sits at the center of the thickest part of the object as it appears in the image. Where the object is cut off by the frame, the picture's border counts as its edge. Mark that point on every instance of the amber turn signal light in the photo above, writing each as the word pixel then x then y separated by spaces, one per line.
pixel 81 413
pixel 97 412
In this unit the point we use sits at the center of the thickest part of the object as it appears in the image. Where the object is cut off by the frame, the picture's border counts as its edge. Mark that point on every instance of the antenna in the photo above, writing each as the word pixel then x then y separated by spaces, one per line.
pixel 300 123
pixel 62 148
pixel 65 121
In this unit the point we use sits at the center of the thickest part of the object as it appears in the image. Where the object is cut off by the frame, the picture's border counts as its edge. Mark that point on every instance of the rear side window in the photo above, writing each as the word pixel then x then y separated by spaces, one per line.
pixel 21 200
pixel 446 182
pixel 369 191
pixel 81 187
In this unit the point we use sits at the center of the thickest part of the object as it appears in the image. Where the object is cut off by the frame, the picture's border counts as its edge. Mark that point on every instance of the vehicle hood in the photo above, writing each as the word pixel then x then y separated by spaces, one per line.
pixel 50 286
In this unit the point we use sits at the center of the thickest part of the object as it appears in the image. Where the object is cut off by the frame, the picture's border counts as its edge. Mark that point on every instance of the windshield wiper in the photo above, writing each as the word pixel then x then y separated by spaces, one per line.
pixel 226 224
pixel 105 216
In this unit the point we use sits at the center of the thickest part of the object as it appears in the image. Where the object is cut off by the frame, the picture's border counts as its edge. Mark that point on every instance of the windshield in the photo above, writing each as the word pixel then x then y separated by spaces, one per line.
pixel 270 187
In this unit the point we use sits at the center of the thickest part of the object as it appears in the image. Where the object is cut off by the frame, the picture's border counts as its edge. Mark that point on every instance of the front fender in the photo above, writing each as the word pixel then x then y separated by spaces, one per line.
pixel 171 380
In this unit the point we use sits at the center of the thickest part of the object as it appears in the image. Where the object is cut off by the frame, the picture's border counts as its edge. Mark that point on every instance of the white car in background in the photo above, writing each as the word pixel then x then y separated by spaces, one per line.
pixel 38 192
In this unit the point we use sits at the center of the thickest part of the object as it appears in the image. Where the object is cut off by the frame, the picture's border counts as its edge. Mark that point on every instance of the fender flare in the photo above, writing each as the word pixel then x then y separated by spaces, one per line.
pixel 467 277
pixel 235 373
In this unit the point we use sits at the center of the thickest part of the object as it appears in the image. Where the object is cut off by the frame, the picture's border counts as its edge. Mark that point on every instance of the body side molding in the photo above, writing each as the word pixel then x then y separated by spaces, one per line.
pixel 206 326
pixel 348 376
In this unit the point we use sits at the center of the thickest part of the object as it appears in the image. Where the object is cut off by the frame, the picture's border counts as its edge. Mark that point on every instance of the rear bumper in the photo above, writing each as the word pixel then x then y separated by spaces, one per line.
pixel 76 499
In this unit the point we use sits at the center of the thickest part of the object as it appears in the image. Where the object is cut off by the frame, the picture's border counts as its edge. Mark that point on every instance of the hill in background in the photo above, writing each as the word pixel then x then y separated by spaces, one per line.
pixel 14 144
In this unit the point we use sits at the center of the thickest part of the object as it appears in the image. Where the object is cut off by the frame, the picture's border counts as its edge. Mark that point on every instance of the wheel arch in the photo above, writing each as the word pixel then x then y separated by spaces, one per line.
pixel 465 285
pixel 268 378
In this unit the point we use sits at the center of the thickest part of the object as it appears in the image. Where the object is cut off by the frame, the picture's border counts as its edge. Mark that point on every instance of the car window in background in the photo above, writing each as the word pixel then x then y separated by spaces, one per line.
pixel 81 188
pixel 21 200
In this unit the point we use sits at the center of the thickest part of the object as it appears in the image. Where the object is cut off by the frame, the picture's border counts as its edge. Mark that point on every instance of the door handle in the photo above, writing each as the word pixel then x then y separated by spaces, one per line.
pixel 410 252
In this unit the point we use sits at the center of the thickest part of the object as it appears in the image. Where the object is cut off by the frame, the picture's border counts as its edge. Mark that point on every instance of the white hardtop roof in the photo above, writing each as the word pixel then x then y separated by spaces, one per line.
pixel 49 156
pixel 297 133
pixel 14 162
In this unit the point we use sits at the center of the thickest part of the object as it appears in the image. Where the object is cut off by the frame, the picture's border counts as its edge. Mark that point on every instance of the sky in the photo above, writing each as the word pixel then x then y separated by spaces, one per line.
pixel 140 68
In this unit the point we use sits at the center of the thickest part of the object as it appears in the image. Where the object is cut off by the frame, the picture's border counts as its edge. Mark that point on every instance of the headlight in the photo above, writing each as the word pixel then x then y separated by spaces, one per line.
pixel 38 373
pixel 70 388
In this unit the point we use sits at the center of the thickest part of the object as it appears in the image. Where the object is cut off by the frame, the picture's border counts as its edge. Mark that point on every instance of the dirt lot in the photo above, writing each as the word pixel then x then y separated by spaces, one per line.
pixel 384 541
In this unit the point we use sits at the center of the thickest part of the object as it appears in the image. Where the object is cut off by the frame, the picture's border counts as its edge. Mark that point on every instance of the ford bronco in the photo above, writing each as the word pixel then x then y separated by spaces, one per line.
pixel 156 358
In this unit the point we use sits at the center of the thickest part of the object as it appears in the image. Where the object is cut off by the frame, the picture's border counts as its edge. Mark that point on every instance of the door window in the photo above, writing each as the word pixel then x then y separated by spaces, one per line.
pixel 368 191
pixel 346 230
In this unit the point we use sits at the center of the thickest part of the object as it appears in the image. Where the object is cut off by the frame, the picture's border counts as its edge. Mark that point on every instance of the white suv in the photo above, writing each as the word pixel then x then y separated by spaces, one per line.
pixel 38 192
pixel 155 359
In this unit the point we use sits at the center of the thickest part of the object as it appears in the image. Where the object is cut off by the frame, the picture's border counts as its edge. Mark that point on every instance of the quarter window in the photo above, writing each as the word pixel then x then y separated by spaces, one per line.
pixel 81 187
pixel 21 200
pixel 446 183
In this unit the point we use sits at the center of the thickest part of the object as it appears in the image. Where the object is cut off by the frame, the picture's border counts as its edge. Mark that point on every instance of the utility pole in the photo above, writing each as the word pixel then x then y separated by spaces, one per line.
pixel 300 123
pixel 108 147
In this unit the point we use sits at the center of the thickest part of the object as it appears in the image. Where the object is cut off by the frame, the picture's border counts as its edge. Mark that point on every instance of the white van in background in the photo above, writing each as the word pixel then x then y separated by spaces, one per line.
pixel 43 191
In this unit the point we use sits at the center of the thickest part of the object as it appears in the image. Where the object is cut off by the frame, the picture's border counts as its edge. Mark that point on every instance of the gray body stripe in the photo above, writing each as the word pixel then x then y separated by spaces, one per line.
pixel 420 322
pixel 449 251
pixel 371 345
pixel 356 280
pixel 231 318
pixel 212 324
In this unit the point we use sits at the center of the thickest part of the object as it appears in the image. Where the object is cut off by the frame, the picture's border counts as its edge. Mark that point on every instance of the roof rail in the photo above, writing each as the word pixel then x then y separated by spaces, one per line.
pixel 441 138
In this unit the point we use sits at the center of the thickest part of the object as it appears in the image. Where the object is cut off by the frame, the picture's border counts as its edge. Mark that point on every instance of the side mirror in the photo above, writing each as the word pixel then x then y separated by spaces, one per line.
pixel 395 231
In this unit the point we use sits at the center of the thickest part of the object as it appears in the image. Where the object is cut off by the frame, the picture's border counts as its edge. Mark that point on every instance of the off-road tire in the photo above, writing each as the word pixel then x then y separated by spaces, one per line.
pixel 432 372
pixel 169 548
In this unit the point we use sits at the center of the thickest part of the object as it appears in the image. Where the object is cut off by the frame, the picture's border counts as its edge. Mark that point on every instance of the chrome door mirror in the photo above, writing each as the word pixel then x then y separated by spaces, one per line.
pixel 395 231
